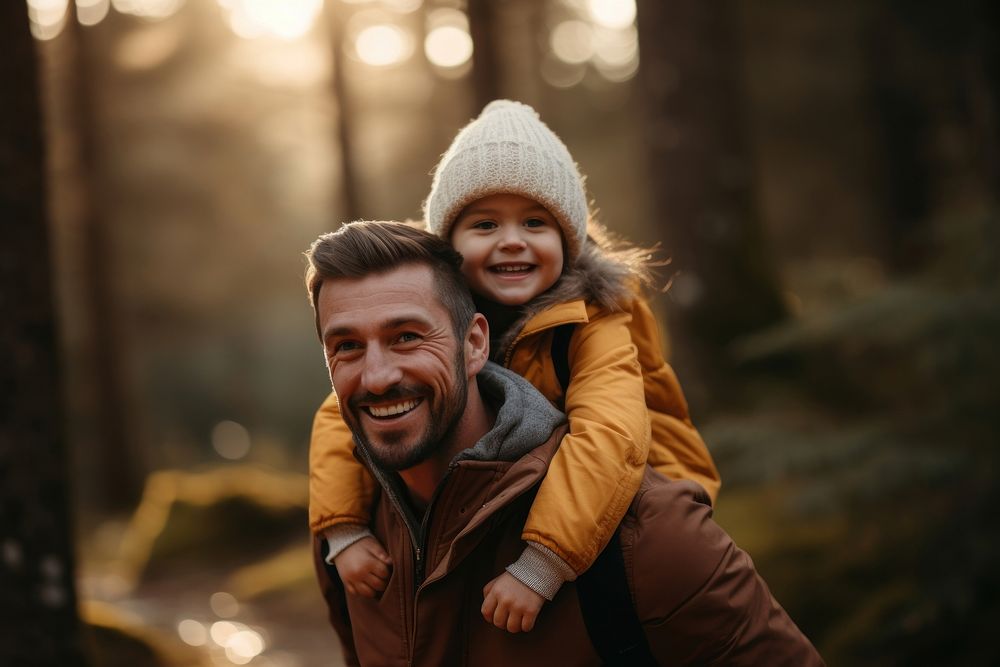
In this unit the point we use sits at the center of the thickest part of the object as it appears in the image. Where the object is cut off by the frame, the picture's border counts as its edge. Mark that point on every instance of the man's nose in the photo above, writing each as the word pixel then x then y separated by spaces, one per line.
pixel 380 373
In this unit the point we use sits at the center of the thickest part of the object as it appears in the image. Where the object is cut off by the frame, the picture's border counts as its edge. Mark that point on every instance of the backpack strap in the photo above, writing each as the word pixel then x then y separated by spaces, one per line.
pixel 609 611
pixel 560 353
pixel 605 601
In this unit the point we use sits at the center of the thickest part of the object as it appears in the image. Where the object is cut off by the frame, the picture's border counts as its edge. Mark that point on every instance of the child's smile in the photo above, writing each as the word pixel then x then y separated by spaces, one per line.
pixel 512 270
pixel 512 248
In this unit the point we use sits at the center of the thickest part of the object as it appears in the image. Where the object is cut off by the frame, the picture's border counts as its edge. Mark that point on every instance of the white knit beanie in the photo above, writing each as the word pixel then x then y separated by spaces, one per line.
pixel 508 149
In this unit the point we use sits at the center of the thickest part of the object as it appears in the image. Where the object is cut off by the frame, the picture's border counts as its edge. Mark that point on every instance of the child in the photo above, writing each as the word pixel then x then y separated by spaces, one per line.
pixel 510 198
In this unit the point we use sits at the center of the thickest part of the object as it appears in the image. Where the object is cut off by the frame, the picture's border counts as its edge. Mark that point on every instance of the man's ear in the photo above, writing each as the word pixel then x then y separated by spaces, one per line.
pixel 477 345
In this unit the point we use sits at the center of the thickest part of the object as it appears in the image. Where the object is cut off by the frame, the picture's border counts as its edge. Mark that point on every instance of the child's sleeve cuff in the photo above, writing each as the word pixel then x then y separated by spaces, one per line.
pixel 541 570
pixel 341 536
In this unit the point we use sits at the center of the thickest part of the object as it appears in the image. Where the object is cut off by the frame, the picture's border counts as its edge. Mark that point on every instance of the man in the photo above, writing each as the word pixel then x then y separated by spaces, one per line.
pixel 458 446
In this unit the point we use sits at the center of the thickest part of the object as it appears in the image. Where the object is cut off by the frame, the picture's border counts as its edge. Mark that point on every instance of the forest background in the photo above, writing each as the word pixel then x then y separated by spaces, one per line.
pixel 823 176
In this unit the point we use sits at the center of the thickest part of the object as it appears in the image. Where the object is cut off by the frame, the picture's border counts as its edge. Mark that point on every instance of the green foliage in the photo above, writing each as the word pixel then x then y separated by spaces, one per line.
pixel 858 473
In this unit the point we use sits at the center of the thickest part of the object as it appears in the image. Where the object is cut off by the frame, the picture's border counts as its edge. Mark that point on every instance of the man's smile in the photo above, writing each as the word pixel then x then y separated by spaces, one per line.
pixel 393 409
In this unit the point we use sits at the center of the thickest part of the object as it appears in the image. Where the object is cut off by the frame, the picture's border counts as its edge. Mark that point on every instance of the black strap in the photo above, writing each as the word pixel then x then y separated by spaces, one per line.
pixel 609 611
pixel 607 606
pixel 560 353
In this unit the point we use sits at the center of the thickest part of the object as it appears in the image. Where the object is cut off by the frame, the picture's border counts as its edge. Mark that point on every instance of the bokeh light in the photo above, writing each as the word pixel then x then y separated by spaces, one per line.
pixel 148 9
pixel 403 6
pixel 603 36
pixel 243 646
pixel 612 13
pixel 221 631
pixel 13 554
pixel 224 604
pixel 231 440
pixel 616 53
pixel 448 46
pixel 285 19
pixel 447 16
pixel 382 45
pixel 618 73
pixel 47 17
pixel 616 47
pixel 572 42
pixel 192 632
pixel 92 12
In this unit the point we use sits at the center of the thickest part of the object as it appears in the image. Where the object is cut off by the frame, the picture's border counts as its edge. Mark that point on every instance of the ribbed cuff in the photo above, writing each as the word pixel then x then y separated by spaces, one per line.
pixel 343 535
pixel 541 570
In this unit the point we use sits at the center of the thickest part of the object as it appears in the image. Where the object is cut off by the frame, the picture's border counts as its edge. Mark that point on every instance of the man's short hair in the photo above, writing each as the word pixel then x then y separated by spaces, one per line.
pixel 366 247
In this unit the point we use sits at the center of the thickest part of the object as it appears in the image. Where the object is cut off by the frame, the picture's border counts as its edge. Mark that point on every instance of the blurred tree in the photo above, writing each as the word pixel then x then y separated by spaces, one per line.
pixel 701 178
pixel 349 205
pixel 485 58
pixel 982 74
pixel 903 123
pixel 37 597
pixel 113 446
pixel 934 71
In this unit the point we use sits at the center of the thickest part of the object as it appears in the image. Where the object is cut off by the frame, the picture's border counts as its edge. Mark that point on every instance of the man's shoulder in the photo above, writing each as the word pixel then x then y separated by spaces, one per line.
pixel 674 543
pixel 680 504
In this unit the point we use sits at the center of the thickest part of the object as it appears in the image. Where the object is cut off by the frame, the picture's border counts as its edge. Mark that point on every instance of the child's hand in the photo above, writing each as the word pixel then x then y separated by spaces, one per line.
pixel 364 568
pixel 510 605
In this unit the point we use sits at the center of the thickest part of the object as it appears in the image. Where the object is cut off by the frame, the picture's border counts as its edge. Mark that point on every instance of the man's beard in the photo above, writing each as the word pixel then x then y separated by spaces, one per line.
pixel 392 452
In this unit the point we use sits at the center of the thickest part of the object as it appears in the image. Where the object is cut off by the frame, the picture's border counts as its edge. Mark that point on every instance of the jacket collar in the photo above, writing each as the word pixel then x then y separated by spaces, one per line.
pixel 595 278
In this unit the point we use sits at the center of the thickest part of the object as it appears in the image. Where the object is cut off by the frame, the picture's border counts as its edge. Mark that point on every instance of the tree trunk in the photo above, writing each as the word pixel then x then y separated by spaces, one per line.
pixel 932 69
pixel 485 63
pixel 37 596
pixel 350 208
pixel 120 469
pixel 724 284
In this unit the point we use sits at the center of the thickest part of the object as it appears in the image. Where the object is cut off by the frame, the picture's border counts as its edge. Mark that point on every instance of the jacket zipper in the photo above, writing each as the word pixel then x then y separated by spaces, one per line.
pixel 419 547
pixel 418 537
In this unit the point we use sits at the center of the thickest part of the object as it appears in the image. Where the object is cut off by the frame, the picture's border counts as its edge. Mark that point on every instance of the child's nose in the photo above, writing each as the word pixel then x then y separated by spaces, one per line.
pixel 511 240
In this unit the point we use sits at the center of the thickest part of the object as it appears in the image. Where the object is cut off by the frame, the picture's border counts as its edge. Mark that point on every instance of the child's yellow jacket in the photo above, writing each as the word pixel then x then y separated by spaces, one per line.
pixel 624 406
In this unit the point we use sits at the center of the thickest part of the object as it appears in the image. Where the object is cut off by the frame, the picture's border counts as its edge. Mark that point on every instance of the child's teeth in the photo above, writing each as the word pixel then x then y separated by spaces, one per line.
pixel 520 267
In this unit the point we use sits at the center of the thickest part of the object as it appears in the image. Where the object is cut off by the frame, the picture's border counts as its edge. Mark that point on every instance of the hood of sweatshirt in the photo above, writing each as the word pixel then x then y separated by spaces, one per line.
pixel 525 418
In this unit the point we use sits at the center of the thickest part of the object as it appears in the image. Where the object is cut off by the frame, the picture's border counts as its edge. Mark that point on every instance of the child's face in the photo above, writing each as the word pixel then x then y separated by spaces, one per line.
pixel 512 248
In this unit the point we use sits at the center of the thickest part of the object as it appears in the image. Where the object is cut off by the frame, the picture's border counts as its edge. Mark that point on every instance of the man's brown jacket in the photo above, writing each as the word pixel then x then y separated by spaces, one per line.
pixel 698 596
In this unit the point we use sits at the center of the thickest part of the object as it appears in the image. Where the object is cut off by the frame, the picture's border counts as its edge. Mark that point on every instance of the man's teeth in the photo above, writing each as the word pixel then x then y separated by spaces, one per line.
pixel 392 410
pixel 511 268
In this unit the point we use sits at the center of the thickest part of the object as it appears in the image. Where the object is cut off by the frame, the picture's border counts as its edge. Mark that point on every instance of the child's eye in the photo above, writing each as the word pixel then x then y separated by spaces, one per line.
pixel 484 225
pixel 535 222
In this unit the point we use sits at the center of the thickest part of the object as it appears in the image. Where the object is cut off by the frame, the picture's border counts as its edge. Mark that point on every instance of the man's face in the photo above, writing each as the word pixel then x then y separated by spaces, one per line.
pixel 397 369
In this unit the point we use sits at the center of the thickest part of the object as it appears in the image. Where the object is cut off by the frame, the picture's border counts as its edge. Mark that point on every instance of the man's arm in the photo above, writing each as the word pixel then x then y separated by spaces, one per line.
pixel 336 601
pixel 698 594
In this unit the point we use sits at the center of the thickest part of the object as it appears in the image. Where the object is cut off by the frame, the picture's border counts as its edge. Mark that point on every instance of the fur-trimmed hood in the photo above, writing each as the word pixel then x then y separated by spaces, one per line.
pixel 602 275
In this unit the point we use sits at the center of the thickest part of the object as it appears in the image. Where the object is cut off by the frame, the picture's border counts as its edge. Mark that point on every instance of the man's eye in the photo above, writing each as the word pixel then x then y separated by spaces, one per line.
pixel 345 346
pixel 408 337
